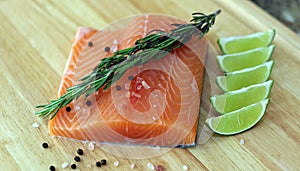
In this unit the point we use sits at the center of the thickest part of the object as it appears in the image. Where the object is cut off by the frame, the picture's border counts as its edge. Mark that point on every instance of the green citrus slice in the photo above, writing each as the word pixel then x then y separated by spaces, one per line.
pixel 237 44
pixel 238 120
pixel 233 100
pixel 247 59
pixel 246 77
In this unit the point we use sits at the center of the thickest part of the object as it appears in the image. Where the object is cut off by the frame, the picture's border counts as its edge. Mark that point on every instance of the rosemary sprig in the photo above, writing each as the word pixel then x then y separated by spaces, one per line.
pixel 150 48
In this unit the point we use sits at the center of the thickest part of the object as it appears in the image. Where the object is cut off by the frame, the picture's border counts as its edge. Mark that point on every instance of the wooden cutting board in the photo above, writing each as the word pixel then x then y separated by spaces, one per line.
pixel 36 37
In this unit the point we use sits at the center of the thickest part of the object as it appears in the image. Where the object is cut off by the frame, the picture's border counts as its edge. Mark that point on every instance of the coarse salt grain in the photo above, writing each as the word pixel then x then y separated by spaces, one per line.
pixel 35 125
pixel 91 146
pixel 145 85
pixel 242 142
pixel 132 165
pixel 151 166
pixel 89 165
pixel 116 163
pixel 65 165
pixel 184 167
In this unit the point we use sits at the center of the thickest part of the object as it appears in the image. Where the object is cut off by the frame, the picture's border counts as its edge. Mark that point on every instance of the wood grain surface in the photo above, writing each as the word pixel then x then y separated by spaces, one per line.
pixel 36 37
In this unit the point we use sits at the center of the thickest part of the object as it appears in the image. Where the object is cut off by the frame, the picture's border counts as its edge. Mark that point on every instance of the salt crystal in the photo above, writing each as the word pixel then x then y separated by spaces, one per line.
pixel 77 107
pixel 91 146
pixel 242 142
pixel 157 148
pixel 145 85
pixel 136 95
pixel 132 165
pixel 127 94
pixel 139 87
pixel 65 165
pixel 115 41
pixel 151 166
pixel 35 125
pixel 116 163
pixel 114 49
pixel 184 167
pixel 126 86
pixel 154 105
pixel 89 165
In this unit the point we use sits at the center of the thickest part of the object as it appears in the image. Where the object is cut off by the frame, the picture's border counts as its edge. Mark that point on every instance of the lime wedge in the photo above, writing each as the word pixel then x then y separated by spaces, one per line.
pixel 238 120
pixel 247 59
pixel 237 44
pixel 233 100
pixel 246 77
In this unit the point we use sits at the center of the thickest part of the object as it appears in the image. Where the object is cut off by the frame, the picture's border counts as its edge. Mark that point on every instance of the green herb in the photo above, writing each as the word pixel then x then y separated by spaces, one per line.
pixel 150 48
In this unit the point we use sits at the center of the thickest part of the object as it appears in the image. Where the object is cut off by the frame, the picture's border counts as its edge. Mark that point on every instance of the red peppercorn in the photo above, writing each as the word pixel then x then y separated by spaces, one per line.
pixel 159 168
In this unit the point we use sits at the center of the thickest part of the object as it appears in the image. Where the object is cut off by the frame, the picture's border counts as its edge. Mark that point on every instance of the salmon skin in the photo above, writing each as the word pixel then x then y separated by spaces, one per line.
pixel 155 104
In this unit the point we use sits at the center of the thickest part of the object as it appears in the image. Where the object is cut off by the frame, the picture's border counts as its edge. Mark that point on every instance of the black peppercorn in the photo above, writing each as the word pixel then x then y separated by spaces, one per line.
pixel 107 49
pixel 103 162
pixel 73 166
pixel 80 151
pixel 88 103
pixel 45 145
pixel 118 87
pixel 77 158
pixel 130 77
pixel 68 109
pixel 98 164
pixel 90 44
pixel 52 168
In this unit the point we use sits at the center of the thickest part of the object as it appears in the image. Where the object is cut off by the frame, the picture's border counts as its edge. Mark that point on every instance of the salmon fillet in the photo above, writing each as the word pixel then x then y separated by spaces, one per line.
pixel 155 104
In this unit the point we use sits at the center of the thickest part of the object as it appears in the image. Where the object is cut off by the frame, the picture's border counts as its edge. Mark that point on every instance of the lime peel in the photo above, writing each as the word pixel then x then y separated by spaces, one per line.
pixel 246 77
pixel 240 120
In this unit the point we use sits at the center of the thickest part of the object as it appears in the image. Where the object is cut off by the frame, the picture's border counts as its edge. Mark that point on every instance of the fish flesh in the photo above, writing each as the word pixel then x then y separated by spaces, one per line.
pixel 154 104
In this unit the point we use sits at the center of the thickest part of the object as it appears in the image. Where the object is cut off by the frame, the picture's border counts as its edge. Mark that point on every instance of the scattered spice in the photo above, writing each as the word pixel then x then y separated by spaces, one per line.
pixel 184 167
pixel 64 165
pixel 73 166
pixel 89 165
pixel 77 158
pixel 88 103
pixel 45 145
pixel 80 151
pixel 151 166
pixel 159 168
pixel 35 125
pixel 68 109
pixel 103 162
pixel 98 164
pixel 116 163
pixel 52 168
pixel 242 142
pixel 107 49
pixel 132 165
pixel 91 146
pixel 90 44
pixel 118 87
pixel 130 77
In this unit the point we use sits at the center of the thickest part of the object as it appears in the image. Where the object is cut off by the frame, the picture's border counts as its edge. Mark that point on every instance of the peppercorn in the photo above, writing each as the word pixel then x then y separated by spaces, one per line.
pixel 80 151
pixel 107 49
pixel 90 44
pixel 88 103
pixel 98 164
pixel 130 77
pixel 45 145
pixel 68 109
pixel 118 87
pixel 52 168
pixel 77 158
pixel 73 166
pixel 103 162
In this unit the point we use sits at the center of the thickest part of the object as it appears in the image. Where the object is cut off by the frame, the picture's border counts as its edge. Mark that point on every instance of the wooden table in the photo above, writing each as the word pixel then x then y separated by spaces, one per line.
pixel 36 37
